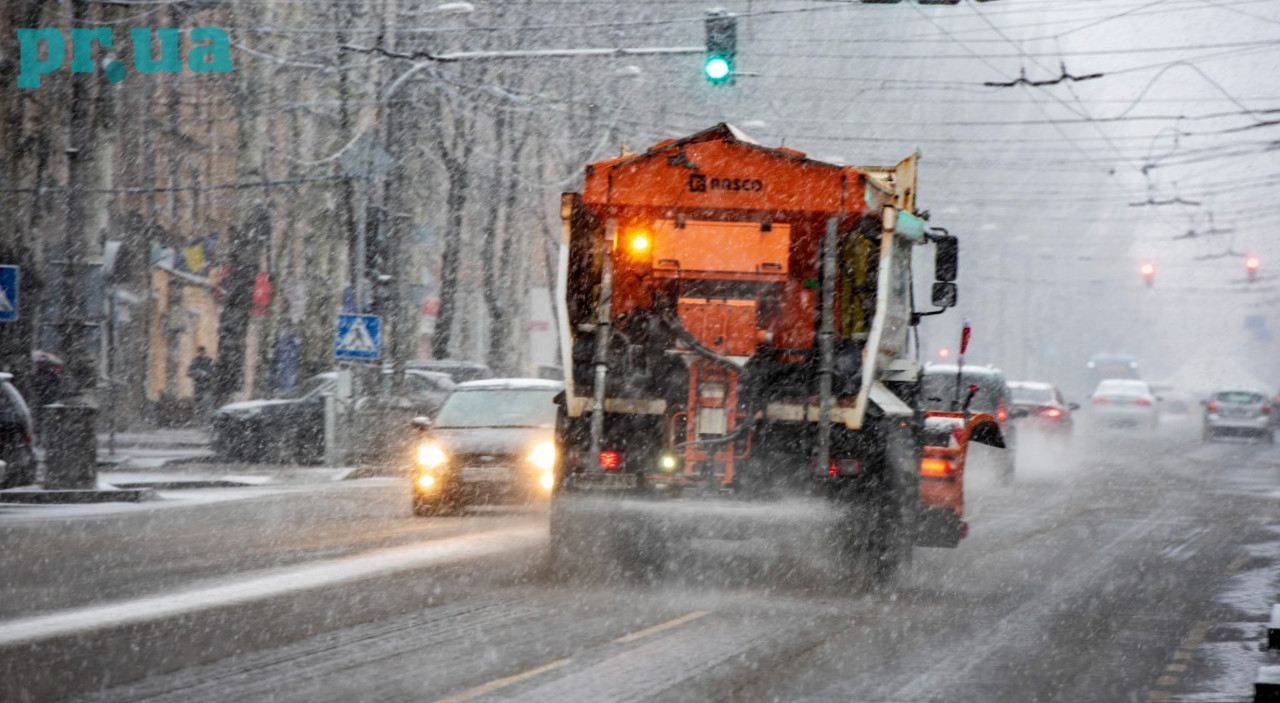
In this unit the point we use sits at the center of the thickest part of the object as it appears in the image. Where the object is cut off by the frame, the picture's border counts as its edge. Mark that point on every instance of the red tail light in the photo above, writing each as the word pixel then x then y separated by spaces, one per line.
pixel 1001 413
pixel 1142 401
pixel 1053 412
pixel 832 469
pixel 936 468
pixel 610 460
pixel 1100 401
pixel 1266 410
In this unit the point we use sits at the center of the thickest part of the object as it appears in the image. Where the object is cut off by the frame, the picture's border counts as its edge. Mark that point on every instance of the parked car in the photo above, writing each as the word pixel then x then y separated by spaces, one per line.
pixel 460 371
pixel 290 429
pixel 938 392
pixel 492 441
pixel 1047 412
pixel 17 437
pixel 1124 403
pixel 1239 412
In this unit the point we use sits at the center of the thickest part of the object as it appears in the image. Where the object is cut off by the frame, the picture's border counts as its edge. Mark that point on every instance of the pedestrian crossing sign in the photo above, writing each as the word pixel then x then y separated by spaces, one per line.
pixel 8 293
pixel 357 337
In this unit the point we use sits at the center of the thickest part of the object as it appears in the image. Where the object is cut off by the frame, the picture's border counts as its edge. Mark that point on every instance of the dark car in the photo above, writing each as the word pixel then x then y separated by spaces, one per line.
pixel 492 441
pixel 17 437
pixel 1046 410
pixel 290 428
pixel 460 371
pixel 938 391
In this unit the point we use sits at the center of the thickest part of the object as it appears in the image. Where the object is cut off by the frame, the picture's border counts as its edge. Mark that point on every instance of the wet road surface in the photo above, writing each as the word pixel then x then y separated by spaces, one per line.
pixel 1134 569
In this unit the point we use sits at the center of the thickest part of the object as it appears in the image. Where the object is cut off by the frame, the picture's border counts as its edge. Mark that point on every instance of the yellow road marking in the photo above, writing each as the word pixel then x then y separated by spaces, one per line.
pixel 1176 668
pixel 1182 654
pixel 638 634
pixel 1167 681
pixel 492 686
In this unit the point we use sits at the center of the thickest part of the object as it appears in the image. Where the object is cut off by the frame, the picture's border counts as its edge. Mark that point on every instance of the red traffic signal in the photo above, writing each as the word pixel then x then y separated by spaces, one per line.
pixel 1148 271
pixel 1251 264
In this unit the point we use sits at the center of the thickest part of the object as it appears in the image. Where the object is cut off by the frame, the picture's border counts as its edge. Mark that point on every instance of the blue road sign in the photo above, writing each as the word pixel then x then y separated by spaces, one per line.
pixel 8 293
pixel 357 337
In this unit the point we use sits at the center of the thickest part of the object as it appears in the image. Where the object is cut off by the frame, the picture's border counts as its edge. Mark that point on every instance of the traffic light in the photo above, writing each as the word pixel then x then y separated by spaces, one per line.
pixel 1251 264
pixel 722 45
pixel 1148 271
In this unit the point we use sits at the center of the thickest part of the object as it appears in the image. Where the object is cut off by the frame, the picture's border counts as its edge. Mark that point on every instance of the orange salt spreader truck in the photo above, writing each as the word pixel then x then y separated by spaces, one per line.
pixel 734 325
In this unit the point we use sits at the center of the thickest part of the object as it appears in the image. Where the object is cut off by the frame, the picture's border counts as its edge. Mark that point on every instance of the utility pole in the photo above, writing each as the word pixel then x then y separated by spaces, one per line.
pixel 71 462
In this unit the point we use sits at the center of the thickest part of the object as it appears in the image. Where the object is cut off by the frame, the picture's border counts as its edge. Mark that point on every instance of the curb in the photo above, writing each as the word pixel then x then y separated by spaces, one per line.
pixel 62 497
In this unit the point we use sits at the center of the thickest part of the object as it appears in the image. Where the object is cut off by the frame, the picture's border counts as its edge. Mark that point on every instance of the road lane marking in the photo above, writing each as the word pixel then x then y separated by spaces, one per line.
pixel 482 689
pixel 274 582
pixel 639 634
pixel 1167 681
pixel 1176 668
pixel 1157 697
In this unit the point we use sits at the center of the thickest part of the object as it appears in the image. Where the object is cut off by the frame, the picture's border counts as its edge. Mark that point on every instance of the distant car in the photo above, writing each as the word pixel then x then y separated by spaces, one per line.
pixel 17 437
pixel 1047 411
pixel 492 441
pixel 460 371
pixel 1124 403
pixel 1104 366
pixel 938 392
pixel 290 429
pixel 1171 400
pixel 1239 412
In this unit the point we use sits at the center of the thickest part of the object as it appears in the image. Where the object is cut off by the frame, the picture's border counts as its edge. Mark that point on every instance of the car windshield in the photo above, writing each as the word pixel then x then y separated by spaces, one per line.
pixel 1238 397
pixel 1031 395
pixel 12 408
pixel 499 407
pixel 1115 387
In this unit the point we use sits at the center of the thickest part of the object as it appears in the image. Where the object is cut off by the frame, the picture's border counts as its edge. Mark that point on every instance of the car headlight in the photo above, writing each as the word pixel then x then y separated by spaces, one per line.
pixel 430 456
pixel 548 480
pixel 543 456
pixel 426 481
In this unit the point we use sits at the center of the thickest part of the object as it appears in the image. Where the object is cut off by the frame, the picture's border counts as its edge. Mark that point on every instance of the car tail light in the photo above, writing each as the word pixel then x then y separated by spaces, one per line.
pixel 1266 410
pixel 844 467
pixel 1001 413
pixel 1142 401
pixel 610 460
pixel 1100 401
pixel 1053 412
pixel 936 468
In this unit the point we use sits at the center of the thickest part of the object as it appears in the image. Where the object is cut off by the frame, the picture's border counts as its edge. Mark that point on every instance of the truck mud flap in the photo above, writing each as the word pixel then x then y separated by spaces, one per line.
pixel 938 527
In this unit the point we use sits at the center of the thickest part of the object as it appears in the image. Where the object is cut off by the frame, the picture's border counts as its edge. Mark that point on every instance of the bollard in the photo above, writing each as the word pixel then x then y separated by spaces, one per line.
pixel 71 460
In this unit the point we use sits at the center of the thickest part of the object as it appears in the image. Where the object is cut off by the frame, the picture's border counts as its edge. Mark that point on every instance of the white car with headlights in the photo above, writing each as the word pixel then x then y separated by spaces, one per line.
pixel 492 441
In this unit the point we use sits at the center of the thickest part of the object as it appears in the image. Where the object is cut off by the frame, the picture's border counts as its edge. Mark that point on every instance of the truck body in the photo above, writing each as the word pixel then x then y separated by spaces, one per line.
pixel 734 322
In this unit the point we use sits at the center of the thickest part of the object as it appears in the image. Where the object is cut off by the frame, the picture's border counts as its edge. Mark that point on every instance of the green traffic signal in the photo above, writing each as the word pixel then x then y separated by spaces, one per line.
pixel 722 45
pixel 717 69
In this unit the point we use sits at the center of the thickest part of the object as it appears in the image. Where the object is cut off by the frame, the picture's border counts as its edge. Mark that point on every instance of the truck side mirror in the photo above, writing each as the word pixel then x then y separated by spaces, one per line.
pixel 422 422
pixel 944 294
pixel 946 257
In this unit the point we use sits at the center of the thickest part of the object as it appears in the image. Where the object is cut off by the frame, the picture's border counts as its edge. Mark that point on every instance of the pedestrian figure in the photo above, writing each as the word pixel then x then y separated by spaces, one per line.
pixel 200 371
